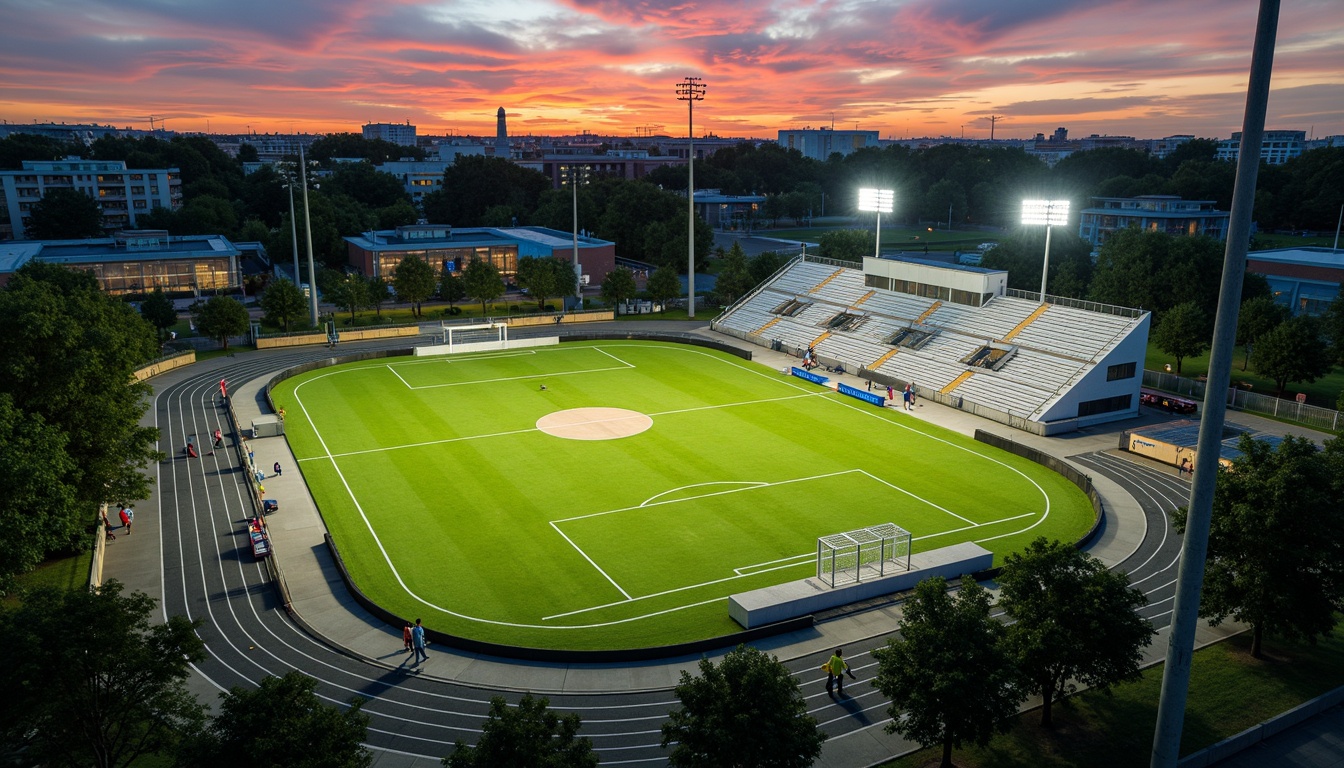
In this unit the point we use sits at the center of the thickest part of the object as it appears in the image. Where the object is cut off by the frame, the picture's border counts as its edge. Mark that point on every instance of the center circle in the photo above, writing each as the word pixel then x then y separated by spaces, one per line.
pixel 594 423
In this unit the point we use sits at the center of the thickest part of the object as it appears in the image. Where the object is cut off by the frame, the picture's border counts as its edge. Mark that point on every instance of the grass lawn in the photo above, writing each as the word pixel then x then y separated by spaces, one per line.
pixel 448 501
pixel 907 238
pixel 1229 692
pixel 1323 392
pixel 69 572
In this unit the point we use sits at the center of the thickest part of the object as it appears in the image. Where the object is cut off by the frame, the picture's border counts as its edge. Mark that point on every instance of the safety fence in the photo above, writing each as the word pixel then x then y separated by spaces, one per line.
pixel 1251 402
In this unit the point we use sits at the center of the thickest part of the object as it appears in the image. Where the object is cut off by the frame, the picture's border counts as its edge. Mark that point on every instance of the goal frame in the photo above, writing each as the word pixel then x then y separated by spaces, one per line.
pixel 452 334
pixel 866 553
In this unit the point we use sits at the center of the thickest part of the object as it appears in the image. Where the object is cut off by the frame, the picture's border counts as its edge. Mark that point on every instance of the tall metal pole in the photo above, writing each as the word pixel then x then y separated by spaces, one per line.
pixel 877 239
pixel 578 271
pixel 294 232
pixel 690 91
pixel 1045 265
pixel 308 233
pixel 1194 550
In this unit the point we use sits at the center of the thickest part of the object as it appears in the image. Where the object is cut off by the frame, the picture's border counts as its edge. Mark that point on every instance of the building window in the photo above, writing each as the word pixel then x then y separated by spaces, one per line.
pixel 1121 371
pixel 1104 405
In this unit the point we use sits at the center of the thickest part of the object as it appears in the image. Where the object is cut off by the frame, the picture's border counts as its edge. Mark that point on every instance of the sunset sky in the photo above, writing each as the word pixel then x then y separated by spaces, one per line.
pixel 1145 68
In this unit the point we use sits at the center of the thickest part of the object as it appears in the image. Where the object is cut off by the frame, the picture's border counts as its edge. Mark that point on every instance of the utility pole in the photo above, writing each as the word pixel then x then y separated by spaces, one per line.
pixel 992 120
pixel 690 90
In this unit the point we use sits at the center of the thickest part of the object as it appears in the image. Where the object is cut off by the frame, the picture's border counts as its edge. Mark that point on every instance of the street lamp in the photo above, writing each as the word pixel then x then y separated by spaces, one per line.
pixel 690 91
pixel 878 201
pixel 574 175
pixel 308 233
pixel 1050 213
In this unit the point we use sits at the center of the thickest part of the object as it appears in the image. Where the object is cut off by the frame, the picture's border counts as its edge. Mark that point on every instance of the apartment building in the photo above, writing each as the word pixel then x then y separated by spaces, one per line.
pixel 1157 213
pixel 123 194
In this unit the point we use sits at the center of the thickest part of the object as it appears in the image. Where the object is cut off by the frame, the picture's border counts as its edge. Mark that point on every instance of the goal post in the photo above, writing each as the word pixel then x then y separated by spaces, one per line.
pixel 475 337
pixel 867 553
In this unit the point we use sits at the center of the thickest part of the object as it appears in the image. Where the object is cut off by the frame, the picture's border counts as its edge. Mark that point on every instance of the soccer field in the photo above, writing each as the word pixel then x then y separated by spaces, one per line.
pixel 472 491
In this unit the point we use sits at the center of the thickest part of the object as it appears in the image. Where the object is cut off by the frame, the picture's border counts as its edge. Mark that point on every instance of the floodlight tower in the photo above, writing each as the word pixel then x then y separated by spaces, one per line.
pixel 690 91
pixel 880 202
pixel 574 175
pixel 1050 213
pixel 308 232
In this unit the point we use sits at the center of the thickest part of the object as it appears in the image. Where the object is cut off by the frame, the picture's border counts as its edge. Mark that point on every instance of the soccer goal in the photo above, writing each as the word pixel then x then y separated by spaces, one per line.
pixel 477 337
pixel 868 553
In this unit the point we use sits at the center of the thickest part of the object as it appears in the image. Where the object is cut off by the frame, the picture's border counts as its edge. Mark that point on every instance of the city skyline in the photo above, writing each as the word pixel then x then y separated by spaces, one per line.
pixel 1126 67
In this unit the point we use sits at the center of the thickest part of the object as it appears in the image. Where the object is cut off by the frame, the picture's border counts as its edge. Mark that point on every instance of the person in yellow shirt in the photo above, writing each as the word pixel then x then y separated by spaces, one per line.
pixel 836 667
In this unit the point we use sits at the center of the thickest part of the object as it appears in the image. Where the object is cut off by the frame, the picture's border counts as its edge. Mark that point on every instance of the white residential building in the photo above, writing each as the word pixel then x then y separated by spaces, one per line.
pixel 123 194
pixel 1276 148
pixel 397 133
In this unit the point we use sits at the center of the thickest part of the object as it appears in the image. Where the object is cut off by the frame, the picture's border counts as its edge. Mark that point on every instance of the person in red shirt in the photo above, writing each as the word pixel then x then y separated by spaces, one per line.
pixel 406 636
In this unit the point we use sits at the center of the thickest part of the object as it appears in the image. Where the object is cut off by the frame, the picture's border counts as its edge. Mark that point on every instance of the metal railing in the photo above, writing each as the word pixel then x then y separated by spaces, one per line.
pixel 1065 301
pixel 1251 402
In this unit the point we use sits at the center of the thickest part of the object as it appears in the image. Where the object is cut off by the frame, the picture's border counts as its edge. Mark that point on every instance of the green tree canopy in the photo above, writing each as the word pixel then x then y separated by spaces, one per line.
pixel 474 184
pixel 619 286
pixel 1276 517
pixel 414 281
pixel 1073 621
pixel 482 282
pixel 745 711
pixel 1157 271
pixel 734 278
pixel 539 275
pixel 378 291
pixel 1332 323
pixel 39 505
pixel 281 722
pixel 68 352
pixel 1023 253
pixel 663 285
pixel 1258 316
pixel 158 311
pixel 846 244
pixel 350 292
pixel 451 288
pixel 366 185
pixel 107 694
pixel 348 145
pixel 525 736
pixel 219 318
pixel 949 676
pixel 64 214
pixel 283 303
pixel 763 265
pixel 1293 351
pixel 1183 331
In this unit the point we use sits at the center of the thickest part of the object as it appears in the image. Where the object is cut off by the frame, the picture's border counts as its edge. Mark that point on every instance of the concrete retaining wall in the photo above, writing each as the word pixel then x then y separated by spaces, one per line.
pixel 561 318
pixel 165 364
pixel 808 596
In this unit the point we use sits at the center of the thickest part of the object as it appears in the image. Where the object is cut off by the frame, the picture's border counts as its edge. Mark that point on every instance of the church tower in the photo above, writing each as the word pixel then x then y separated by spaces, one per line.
pixel 501 135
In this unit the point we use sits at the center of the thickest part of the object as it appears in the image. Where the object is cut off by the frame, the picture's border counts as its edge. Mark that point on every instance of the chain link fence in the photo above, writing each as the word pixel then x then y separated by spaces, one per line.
pixel 1251 402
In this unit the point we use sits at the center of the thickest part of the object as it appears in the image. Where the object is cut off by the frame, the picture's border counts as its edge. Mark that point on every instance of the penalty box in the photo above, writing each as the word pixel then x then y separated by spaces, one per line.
pixel 710 532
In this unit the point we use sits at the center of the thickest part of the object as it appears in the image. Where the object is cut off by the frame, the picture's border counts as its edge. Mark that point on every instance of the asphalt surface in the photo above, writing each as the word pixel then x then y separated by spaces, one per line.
pixel 190 549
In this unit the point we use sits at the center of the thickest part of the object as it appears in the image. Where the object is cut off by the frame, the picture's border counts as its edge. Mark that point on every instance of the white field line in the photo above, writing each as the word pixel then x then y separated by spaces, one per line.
pixel 579 549
pixel 398 375
pixel 756 568
pixel 919 498
pixel 613 357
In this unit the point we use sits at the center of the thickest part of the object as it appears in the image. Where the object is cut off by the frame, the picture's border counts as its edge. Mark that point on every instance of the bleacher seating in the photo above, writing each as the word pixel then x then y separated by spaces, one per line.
pixel 1054 347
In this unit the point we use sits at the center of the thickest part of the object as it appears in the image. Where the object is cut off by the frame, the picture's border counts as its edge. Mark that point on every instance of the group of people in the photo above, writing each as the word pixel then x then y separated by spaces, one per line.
pixel 125 514
pixel 414 640
pixel 907 395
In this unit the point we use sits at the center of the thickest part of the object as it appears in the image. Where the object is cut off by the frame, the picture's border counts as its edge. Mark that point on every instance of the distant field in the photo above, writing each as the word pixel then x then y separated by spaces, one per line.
pixel 449 502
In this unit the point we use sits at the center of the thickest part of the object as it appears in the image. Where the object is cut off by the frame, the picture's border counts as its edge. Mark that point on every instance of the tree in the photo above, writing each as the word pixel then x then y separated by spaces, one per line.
pixel 1333 326
pixel 746 711
pixel 283 303
pixel 1292 351
pixel 663 285
pixel 158 311
pixel 451 289
pixel 474 184
pixel 282 722
pixel 847 244
pixel 376 292
pixel 220 317
pixel 350 293
pixel 949 676
pixel 413 279
pixel 64 214
pixel 619 287
pixel 482 282
pixel 734 279
pixel 525 736
pixel 40 511
pixel 1258 316
pixel 1182 332
pixel 538 275
pixel 766 264
pixel 1074 621
pixel 69 351
pixel 1276 519
pixel 105 695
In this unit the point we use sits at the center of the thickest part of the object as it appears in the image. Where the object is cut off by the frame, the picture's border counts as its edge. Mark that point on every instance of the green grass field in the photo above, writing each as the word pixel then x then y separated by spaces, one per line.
pixel 448 502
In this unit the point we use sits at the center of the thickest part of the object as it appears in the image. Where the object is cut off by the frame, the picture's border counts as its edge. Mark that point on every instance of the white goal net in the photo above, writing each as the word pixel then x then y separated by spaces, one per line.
pixel 868 553
pixel 474 338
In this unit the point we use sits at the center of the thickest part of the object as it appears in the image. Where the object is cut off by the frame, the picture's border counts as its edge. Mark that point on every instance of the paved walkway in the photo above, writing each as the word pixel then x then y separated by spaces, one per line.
pixel 321 602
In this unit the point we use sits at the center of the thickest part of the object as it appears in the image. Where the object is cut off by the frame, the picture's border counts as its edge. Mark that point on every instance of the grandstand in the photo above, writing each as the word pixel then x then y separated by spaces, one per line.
pixel 959 334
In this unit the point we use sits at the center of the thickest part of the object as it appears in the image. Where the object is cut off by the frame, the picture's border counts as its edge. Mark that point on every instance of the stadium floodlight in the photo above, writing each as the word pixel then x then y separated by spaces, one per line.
pixel 690 90
pixel 878 201
pixel 1051 213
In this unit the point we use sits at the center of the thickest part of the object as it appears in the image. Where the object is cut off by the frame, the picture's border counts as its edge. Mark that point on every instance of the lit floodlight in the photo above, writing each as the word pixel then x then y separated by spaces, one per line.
pixel 876 200
pixel 1051 213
